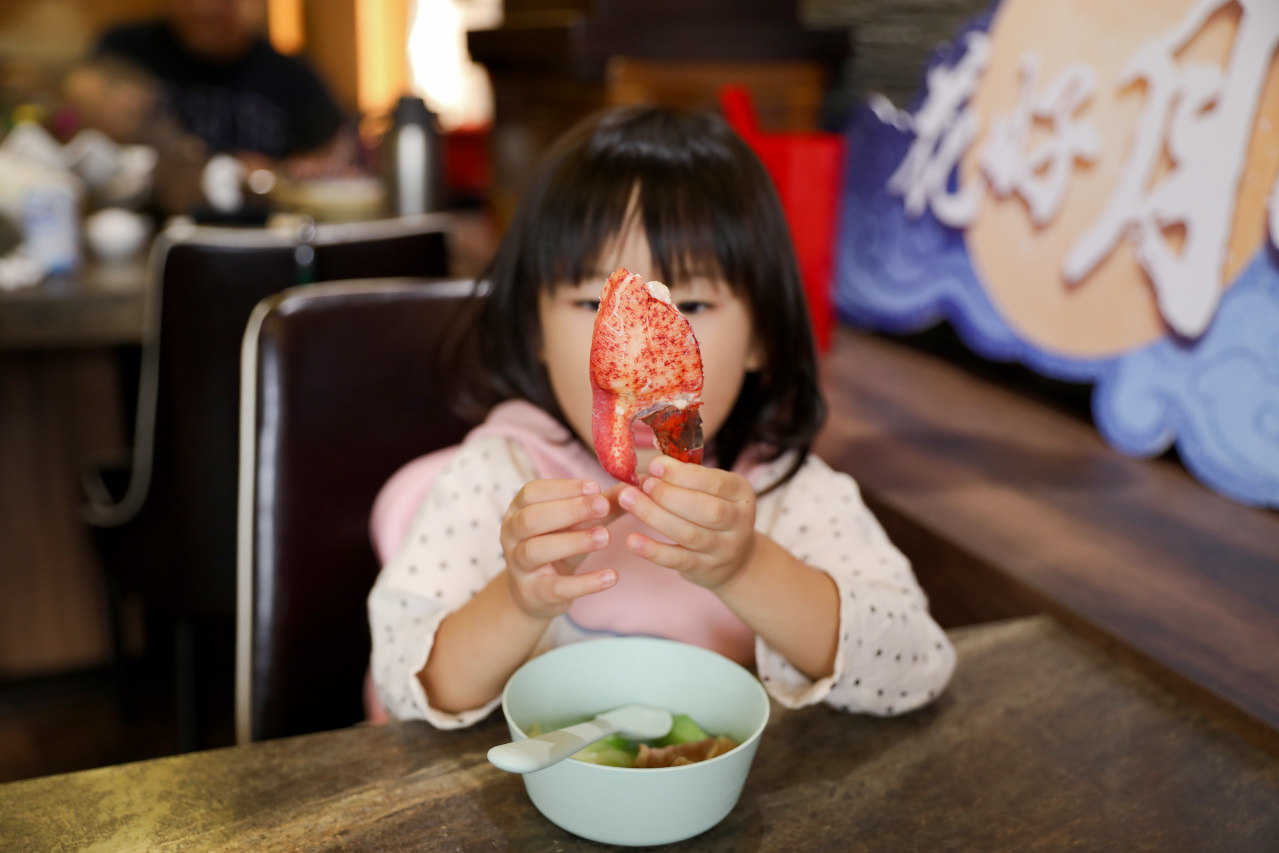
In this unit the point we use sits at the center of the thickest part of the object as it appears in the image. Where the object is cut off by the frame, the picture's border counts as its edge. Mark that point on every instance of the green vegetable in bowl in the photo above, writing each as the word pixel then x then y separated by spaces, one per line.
pixel 684 729
pixel 614 751
pixel 617 751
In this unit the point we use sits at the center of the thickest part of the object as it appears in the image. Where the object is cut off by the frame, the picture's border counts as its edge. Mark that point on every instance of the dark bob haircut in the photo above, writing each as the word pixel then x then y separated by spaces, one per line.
pixel 707 207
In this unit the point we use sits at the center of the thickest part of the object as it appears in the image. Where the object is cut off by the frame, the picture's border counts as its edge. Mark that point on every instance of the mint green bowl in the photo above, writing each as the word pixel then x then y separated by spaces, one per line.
pixel 626 806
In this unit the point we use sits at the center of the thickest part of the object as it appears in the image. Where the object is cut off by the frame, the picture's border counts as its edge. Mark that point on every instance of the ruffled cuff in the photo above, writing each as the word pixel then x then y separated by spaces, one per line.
pixel 401 651
pixel 786 684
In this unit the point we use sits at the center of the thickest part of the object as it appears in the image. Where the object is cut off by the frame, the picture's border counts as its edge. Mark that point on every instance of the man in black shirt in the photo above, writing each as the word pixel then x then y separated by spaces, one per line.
pixel 225 84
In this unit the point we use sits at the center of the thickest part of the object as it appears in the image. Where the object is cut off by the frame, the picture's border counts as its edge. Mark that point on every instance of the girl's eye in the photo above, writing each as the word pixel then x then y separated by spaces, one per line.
pixel 693 307
pixel 592 304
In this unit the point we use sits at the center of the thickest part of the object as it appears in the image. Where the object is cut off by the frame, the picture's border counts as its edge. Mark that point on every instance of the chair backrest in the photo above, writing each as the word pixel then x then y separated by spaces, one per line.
pixel 182 493
pixel 339 391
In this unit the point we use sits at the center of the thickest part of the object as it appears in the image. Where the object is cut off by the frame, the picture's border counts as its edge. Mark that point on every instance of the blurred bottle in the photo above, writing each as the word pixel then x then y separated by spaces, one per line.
pixel 411 159
pixel 36 184
pixel 51 227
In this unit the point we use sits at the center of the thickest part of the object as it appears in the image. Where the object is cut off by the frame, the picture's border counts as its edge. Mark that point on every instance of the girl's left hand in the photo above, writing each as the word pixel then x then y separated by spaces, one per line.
pixel 708 513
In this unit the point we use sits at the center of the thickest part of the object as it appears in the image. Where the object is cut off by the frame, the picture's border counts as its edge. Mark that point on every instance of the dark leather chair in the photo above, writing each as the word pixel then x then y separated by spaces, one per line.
pixel 341 388
pixel 164 523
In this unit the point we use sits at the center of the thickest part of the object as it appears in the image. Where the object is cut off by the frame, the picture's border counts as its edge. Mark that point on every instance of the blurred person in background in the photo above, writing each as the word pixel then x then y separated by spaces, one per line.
pixel 201 81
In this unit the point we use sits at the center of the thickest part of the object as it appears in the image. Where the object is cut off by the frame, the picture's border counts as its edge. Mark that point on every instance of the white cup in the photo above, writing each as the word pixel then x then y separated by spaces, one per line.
pixel 116 234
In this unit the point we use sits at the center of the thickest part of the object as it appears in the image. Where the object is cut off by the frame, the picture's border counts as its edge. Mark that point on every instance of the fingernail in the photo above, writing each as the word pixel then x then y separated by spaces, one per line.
pixel 627 498
pixel 599 506
pixel 656 468
pixel 600 535
pixel 607 579
pixel 649 485
pixel 590 488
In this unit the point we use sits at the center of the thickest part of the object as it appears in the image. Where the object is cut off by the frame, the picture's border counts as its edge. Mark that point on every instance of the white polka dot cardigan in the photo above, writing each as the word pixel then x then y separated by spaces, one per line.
pixel 892 657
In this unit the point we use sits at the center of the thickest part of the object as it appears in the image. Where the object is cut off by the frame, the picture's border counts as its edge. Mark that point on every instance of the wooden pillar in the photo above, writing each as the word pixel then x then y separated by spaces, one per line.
pixel 360 48
pixel 58 408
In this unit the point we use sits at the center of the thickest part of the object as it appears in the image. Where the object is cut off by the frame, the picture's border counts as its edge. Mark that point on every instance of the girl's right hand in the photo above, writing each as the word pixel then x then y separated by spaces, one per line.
pixel 547 531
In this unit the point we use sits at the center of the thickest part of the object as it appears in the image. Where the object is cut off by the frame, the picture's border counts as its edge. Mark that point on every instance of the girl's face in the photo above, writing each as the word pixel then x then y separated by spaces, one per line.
pixel 721 321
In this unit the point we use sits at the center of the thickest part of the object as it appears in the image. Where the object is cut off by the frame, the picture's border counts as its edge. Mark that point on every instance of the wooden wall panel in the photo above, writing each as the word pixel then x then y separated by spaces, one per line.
pixel 58 409
pixel 359 48
pixel 58 32
pixel 892 40
pixel 331 48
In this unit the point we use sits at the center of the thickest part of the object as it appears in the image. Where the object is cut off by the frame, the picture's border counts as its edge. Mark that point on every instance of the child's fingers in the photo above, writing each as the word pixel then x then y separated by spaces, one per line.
pixel 671 556
pixel 539 491
pixel 699 478
pixel 538 519
pixel 552 547
pixel 544 592
pixel 696 507
pixel 664 521
pixel 569 587
pixel 615 510
pixel 614 492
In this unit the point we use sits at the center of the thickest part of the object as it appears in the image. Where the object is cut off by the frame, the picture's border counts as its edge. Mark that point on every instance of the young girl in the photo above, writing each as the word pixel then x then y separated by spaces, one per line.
pixel 516 541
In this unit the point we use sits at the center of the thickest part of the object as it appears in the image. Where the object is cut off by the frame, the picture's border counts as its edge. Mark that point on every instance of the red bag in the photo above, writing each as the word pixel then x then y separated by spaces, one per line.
pixel 806 169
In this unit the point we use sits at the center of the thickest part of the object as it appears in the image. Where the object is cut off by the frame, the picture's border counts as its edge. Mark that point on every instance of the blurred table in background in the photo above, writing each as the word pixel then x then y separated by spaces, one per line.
pixel 60 405
pixel 1040 743
pixel 101 305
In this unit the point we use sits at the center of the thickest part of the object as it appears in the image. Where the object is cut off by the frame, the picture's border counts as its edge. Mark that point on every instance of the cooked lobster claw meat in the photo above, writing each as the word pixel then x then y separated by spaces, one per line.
pixel 645 363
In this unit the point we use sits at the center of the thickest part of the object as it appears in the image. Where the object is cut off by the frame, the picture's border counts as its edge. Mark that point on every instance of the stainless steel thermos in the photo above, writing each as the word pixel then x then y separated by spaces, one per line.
pixel 411 161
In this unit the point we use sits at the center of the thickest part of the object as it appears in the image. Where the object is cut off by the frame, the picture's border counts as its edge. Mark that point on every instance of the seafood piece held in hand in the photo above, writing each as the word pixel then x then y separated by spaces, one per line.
pixel 645 363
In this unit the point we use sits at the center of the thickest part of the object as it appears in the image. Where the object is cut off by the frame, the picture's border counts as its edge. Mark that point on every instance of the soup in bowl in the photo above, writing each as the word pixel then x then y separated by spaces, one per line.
pixel 637 806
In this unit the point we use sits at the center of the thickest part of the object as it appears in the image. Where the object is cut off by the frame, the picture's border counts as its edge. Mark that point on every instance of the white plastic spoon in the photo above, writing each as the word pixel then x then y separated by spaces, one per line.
pixel 635 722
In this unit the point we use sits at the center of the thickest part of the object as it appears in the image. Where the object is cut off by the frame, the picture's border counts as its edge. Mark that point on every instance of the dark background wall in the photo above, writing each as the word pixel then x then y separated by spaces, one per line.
pixel 891 39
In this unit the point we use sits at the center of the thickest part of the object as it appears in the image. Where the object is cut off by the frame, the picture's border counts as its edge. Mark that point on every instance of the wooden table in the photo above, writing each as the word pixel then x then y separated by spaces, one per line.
pixel 101 305
pixel 1007 505
pixel 1041 743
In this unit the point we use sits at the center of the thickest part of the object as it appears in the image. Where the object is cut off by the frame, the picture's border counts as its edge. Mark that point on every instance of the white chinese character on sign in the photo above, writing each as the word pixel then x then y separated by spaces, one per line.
pixel 1204 114
pixel 1040 176
pixel 944 128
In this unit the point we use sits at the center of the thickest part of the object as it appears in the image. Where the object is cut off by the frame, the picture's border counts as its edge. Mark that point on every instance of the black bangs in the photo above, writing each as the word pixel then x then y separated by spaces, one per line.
pixel 673 172
pixel 708 209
